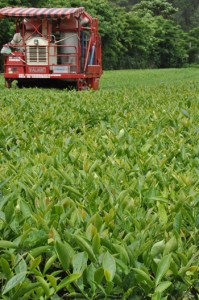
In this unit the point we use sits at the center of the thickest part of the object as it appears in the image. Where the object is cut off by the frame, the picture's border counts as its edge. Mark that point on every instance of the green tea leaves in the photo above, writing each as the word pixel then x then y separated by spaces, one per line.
pixel 163 267
pixel 157 248
pixel 65 254
pixel 99 190
pixel 84 245
pixel 7 244
pixel 109 266
pixel 13 282
pixel 144 276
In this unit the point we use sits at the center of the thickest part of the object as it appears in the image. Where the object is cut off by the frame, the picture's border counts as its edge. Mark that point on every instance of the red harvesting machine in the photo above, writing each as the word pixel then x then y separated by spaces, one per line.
pixel 59 44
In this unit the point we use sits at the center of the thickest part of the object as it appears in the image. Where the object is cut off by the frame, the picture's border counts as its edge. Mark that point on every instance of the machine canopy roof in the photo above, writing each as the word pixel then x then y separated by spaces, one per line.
pixel 41 12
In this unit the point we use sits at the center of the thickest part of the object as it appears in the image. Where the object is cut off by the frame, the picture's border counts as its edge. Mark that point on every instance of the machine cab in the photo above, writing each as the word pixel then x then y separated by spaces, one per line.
pixel 53 43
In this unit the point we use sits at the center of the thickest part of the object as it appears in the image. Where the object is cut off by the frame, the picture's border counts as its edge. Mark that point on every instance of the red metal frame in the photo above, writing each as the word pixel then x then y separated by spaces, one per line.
pixel 79 62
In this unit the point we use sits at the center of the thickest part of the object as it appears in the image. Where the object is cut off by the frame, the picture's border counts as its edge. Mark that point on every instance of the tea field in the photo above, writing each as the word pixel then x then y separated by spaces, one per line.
pixel 99 190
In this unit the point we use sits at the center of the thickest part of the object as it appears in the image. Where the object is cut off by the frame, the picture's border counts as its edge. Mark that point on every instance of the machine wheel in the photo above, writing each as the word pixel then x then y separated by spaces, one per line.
pixel 19 84
pixel 8 83
pixel 86 84
pixel 93 83
pixel 82 85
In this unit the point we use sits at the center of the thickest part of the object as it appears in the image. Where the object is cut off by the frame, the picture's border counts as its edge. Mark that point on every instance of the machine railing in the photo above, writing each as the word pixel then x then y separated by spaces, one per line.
pixel 64 56
pixel 59 58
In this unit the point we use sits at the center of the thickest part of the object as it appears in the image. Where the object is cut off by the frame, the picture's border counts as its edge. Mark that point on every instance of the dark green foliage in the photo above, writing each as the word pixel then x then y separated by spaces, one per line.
pixel 169 48
pixel 155 8
pixel 135 33
pixel 194 45
pixel 187 14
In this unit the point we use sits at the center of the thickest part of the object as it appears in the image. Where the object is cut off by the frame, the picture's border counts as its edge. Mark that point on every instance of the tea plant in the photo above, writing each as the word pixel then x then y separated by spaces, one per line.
pixel 100 191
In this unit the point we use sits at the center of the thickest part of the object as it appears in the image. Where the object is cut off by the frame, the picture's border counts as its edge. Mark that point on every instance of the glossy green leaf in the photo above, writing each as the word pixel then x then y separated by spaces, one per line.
pixel 13 282
pixel 24 291
pixel 35 262
pixel 157 248
pixel 20 264
pixel 49 263
pixel 7 244
pixel 26 209
pixel 84 245
pixel 39 250
pixel 144 276
pixel 67 280
pixel 90 271
pixel 177 222
pixel 96 243
pixel 109 266
pixel 79 262
pixel 171 245
pixel 5 268
pixel 65 253
pixel 99 275
pixel 163 267
pixel 53 281
pixel 44 285
pixel 163 286
pixel 163 217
